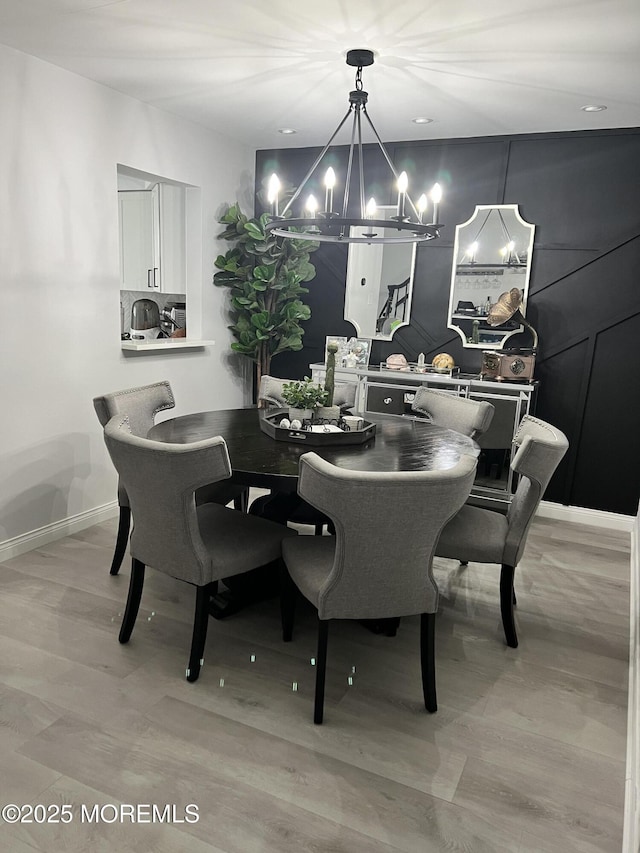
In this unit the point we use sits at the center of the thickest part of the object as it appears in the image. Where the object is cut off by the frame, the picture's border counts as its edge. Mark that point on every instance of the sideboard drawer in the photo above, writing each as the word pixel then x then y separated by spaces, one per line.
pixel 386 399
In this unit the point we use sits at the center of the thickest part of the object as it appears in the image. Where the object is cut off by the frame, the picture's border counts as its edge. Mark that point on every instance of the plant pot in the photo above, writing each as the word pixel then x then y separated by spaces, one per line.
pixel 328 413
pixel 300 414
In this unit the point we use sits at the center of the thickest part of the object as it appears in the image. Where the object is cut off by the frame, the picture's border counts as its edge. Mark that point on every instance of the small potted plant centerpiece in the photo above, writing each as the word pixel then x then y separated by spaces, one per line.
pixel 303 398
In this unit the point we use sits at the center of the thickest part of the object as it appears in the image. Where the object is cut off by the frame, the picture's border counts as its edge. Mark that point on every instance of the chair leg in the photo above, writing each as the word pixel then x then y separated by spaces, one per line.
pixel 464 562
pixel 136 582
pixel 428 660
pixel 506 605
pixel 318 529
pixel 199 637
pixel 288 595
pixel 321 670
pixel 121 539
pixel 242 501
pixel 514 599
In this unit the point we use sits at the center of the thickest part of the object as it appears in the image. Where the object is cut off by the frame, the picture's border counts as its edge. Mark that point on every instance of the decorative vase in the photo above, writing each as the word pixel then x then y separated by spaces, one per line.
pixel 328 413
pixel 300 414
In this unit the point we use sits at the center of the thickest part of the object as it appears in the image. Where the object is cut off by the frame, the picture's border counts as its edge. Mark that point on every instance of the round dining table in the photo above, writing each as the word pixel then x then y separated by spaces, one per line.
pixel 257 459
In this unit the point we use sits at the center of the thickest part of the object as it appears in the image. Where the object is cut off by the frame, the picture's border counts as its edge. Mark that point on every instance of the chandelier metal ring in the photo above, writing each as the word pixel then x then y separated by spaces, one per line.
pixel 335 230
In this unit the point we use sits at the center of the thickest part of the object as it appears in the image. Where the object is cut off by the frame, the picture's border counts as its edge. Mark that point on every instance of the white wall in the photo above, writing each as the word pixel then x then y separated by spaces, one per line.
pixel 61 137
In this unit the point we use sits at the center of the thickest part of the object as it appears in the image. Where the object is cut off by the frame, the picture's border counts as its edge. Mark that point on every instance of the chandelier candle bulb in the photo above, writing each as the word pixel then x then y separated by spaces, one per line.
pixel 436 197
pixel 422 206
pixel 473 248
pixel 272 193
pixel 312 205
pixel 329 182
pixel 371 208
pixel 403 183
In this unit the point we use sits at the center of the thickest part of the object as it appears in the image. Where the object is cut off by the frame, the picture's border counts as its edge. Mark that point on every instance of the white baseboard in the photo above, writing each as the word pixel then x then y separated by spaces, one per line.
pixel 631 832
pixel 582 515
pixel 56 530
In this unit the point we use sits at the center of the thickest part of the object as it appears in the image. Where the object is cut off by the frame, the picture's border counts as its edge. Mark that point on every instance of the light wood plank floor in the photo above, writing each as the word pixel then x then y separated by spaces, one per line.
pixel 526 752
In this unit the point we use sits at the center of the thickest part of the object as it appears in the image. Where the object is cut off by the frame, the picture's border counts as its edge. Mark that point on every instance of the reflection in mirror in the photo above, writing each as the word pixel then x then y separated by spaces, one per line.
pixel 491 256
pixel 379 283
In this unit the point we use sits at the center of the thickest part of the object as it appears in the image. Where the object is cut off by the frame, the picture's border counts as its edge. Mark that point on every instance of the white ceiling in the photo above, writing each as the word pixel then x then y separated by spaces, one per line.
pixel 248 67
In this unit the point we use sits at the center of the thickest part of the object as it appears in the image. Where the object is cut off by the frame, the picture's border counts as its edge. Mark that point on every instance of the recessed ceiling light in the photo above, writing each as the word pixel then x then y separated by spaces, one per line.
pixel 593 108
pixel 286 131
pixel 421 120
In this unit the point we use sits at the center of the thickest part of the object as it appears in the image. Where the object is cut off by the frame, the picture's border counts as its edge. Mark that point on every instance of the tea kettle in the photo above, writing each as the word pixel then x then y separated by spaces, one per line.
pixel 145 320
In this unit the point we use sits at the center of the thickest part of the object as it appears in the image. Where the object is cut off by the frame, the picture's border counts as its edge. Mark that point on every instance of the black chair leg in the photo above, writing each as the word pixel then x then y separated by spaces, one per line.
pixel 321 670
pixel 121 540
pixel 318 529
pixel 241 502
pixel 288 594
pixel 506 605
pixel 514 599
pixel 199 638
pixel 428 660
pixel 136 583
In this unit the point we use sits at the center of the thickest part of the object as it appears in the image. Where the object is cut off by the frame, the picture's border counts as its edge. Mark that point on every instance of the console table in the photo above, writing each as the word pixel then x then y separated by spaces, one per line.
pixel 392 392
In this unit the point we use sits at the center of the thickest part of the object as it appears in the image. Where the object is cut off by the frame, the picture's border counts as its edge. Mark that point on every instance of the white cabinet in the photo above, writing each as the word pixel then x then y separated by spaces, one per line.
pixel 152 239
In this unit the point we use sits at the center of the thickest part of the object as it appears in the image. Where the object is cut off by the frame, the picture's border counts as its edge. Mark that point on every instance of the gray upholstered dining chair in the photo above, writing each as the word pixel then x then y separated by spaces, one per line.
pixel 284 508
pixel 379 563
pixel 470 417
pixel 196 543
pixel 141 405
pixel 482 535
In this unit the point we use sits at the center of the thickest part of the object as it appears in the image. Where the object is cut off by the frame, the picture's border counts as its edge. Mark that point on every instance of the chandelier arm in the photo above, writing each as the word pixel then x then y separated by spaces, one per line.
pixel 504 227
pixel 313 168
pixel 347 184
pixel 481 229
pixel 388 159
pixel 363 208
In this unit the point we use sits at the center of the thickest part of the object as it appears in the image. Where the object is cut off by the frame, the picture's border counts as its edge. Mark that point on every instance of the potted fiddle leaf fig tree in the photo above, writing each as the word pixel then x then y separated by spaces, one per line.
pixel 264 274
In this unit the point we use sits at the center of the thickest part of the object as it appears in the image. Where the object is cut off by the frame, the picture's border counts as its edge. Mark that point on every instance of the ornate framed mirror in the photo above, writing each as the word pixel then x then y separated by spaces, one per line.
pixel 379 283
pixel 491 256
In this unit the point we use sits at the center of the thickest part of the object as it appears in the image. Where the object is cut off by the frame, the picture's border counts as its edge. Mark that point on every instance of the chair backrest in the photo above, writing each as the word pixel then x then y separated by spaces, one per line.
pixel 387 525
pixel 140 405
pixel 540 450
pixel 270 392
pixel 161 480
pixel 470 417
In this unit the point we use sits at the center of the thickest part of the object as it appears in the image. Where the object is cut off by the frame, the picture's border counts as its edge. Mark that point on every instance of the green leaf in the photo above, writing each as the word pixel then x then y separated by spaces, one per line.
pixel 254 230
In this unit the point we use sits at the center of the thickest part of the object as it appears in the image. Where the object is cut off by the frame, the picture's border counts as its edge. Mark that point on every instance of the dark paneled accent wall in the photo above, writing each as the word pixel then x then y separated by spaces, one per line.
pixel 582 192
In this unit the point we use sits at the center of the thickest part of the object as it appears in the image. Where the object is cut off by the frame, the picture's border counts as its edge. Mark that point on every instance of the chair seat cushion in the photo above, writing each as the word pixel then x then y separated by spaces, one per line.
pixel 474 535
pixel 238 542
pixel 309 560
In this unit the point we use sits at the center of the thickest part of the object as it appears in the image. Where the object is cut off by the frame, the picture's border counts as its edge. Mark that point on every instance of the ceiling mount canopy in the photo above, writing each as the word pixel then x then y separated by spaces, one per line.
pixel 330 225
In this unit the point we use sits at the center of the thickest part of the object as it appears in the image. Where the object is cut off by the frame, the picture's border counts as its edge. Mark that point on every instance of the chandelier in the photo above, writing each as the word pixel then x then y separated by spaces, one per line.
pixel 411 224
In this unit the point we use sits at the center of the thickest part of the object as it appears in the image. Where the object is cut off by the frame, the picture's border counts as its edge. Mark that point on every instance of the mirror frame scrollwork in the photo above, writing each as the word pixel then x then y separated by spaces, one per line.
pixel 492 254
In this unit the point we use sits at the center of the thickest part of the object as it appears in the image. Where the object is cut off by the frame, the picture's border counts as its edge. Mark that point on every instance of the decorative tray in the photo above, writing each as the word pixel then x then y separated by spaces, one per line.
pixel 270 424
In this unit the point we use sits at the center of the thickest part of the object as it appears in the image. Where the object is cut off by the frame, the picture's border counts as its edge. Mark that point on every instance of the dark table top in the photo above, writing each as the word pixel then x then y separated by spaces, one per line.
pixel 400 444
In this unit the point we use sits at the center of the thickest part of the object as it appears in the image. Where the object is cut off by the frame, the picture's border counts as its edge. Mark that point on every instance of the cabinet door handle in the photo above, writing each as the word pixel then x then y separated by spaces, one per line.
pixel 149 285
pixel 155 272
